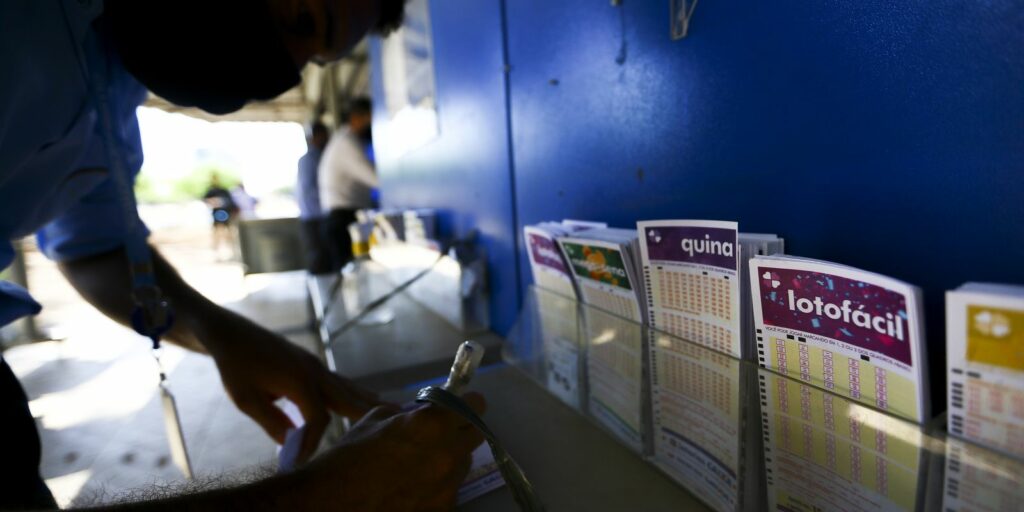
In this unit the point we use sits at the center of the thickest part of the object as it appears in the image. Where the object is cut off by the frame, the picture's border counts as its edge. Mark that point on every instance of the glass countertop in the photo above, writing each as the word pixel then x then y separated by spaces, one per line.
pixel 740 437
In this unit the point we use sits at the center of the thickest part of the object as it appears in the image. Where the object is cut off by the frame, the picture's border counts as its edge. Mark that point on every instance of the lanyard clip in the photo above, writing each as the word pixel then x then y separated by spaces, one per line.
pixel 153 316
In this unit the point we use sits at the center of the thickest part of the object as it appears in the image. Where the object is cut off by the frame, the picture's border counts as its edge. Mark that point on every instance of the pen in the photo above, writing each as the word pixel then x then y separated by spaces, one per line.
pixel 467 359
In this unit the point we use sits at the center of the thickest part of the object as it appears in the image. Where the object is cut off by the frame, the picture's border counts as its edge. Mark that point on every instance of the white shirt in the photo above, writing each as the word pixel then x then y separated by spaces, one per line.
pixel 345 175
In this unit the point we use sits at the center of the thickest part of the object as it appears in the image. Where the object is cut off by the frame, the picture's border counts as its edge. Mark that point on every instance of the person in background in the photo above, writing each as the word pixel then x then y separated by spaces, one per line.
pixel 224 210
pixel 307 189
pixel 245 203
pixel 70 149
pixel 347 179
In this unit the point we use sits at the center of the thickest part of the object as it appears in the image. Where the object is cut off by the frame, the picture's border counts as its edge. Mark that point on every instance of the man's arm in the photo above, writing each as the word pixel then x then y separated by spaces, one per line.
pixel 274 493
pixel 105 282
pixel 360 168
pixel 389 462
pixel 256 366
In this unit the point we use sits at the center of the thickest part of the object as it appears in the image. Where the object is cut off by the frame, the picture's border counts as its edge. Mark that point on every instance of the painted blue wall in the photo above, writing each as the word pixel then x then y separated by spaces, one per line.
pixel 884 135
pixel 465 171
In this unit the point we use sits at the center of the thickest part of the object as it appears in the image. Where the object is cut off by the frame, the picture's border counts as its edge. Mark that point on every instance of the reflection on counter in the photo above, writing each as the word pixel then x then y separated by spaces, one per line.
pixel 978 479
pixel 698 408
pixel 824 452
pixel 615 374
pixel 739 437
pixel 560 337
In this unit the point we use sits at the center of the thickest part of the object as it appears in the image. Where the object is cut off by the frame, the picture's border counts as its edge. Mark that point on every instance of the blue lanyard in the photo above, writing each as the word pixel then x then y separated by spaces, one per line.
pixel 152 315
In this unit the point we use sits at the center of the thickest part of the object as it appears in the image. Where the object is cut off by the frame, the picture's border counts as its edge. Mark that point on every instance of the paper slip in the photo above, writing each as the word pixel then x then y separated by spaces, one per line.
pixel 854 333
pixel 823 452
pixel 483 476
pixel 695 280
pixel 549 269
pixel 615 375
pixel 985 357
pixel 697 416
pixel 980 480
pixel 604 271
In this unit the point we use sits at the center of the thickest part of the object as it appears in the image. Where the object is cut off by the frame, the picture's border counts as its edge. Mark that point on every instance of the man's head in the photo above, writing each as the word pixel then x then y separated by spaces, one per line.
pixel 317 137
pixel 360 117
pixel 220 54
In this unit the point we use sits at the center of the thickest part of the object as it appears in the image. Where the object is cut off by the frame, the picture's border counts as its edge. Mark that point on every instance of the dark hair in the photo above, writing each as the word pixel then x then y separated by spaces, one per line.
pixel 215 55
pixel 360 105
pixel 317 128
pixel 391 14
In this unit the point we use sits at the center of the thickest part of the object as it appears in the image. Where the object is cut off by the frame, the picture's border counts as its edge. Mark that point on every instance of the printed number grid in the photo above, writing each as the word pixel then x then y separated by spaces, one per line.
pixel 698 331
pixel 615 365
pixel 689 378
pixel 612 303
pixel 696 294
pixel 995 415
pixel 616 345
pixel 812 436
pixel 850 375
pixel 557 317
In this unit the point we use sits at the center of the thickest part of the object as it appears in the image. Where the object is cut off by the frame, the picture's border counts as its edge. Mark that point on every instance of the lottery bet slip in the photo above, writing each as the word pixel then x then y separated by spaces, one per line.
pixel 824 452
pixel 694 275
pixel 855 333
pixel 546 262
pixel 700 402
pixel 605 269
pixel 985 356
pixel 556 300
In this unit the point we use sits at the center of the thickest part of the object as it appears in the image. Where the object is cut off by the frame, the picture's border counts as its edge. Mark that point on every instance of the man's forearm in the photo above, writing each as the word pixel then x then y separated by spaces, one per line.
pixel 104 280
pixel 288 492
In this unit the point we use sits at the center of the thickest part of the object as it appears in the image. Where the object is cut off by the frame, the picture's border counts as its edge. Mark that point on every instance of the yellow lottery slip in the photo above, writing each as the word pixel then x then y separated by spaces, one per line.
pixel 825 452
pixel 985 354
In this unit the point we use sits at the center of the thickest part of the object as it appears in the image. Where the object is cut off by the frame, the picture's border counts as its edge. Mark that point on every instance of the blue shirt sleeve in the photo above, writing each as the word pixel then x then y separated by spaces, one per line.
pixel 98 221
pixel 96 224
pixel 15 302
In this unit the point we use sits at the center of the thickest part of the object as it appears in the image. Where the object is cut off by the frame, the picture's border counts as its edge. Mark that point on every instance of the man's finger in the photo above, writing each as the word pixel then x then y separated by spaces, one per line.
pixel 273 420
pixel 448 486
pixel 316 416
pixel 380 413
pixel 467 437
pixel 476 402
pixel 365 394
pixel 468 440
pixel 345 398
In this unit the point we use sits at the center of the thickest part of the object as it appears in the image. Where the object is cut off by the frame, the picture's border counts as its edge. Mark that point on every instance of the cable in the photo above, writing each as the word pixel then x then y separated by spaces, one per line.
pixel 522 489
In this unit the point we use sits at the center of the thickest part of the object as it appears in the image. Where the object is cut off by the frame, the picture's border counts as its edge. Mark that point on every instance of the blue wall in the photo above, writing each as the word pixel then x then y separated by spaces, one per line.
pixel 465 171
pixel 884 135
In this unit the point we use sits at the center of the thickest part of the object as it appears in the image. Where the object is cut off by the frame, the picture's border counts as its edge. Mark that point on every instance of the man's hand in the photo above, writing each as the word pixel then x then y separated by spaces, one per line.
pixel 258 367
pixel 388 462
pixel 396 462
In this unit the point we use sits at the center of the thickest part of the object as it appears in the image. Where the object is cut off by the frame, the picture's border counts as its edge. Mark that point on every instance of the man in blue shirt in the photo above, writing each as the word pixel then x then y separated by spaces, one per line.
pixel 73 72
pixel 307 190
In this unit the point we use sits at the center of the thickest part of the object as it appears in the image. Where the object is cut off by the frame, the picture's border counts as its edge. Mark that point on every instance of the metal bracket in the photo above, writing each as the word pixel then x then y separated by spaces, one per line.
pixel 680 14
